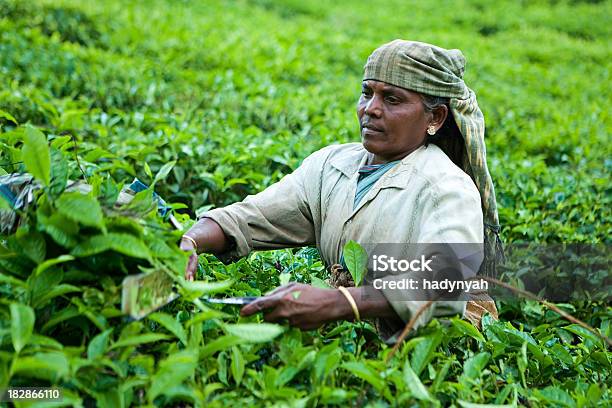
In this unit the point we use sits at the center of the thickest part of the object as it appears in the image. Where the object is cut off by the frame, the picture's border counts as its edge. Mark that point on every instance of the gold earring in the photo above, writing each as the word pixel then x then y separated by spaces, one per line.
pixel 431 130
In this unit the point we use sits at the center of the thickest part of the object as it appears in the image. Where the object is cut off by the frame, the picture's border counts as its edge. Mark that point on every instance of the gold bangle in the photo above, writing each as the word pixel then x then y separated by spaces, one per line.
pixel 351 301
pixel 195 244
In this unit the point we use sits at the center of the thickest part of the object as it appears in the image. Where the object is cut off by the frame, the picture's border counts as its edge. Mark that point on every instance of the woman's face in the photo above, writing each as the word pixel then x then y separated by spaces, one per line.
pixel 393 120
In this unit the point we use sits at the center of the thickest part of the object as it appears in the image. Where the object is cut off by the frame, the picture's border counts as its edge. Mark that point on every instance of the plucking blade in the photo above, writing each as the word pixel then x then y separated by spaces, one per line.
pixel 231 301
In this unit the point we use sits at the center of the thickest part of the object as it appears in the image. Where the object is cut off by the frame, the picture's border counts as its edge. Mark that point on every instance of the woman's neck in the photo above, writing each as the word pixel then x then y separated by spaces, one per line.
pixel 375 159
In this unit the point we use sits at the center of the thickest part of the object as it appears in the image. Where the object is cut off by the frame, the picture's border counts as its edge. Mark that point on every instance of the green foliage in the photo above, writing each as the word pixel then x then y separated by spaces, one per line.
pixel 22 324
pixel 356 260
pixel 414 384
pixel 256 333
pixel 212 101
pixel 81 208
pixel 36 156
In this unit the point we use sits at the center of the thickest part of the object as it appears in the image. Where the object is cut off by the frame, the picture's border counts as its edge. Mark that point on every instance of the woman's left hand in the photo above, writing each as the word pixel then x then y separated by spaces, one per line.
pixel 303 306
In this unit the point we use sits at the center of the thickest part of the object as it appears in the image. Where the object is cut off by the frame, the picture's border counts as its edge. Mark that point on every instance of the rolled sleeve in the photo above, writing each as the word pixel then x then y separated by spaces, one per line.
pixel 278 217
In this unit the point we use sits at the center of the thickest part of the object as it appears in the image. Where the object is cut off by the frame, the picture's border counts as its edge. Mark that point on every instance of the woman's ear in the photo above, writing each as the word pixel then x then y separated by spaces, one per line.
pixel 439 115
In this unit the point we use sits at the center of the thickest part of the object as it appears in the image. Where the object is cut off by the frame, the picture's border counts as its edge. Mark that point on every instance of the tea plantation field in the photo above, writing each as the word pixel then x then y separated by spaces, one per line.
pixel 213 100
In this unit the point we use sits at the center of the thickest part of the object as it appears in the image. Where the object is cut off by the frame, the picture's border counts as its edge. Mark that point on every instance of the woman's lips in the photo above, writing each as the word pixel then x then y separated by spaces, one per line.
pixel 371 131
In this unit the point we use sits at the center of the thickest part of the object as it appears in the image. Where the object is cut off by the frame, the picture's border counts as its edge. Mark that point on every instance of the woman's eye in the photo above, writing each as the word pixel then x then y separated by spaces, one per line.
pixel 392 100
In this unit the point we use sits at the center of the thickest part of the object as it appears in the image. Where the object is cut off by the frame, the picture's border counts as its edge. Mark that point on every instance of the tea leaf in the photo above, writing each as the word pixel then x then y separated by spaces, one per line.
pixel 6 115
pixel 356 260
pixel 173 371
pixel 424 352
pixel 366 373
pixel 46 366
pixel 123 243
pixel 254 332
pixel 33 246
pixel 98 345
pixel 164 171
pixel 36 155
pixel 237 366
pixel 284 278
pixel 51 262
pixel 53 292
pixel 467 329
pixel 147 170
pixel 319 283
pixel 139 339
pixel 170 324
pixel 473 367
pixel 22 325
pixel 221 343
pixel 198 288
pixel 556 396
pixel 414 383
pixel 81 208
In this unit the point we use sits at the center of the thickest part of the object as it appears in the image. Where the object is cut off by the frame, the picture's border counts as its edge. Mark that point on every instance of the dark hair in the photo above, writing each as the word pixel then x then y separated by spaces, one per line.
pixel 448 137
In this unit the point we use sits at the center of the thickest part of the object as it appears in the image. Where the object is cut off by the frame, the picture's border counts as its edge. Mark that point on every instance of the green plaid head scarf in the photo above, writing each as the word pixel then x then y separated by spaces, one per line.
pixel 432 70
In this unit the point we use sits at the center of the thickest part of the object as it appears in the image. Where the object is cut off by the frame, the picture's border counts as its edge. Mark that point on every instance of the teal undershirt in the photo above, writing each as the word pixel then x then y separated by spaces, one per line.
pixel 368 176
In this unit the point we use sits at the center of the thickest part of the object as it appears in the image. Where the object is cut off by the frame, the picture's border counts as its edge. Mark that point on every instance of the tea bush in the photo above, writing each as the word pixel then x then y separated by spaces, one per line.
pixel 237 93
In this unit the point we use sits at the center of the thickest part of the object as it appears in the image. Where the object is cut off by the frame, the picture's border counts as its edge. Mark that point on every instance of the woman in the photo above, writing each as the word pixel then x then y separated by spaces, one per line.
pixel 419 176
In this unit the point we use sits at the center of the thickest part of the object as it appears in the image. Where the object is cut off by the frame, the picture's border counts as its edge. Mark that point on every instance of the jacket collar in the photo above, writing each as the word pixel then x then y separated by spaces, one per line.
pixel 350 162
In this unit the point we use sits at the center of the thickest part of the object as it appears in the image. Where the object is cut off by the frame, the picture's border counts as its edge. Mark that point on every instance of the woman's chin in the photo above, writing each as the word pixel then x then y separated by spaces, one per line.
pixel 372 146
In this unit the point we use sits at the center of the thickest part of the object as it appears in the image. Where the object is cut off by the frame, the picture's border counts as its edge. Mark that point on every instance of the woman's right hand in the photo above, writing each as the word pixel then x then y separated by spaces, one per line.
pixel 210 238
pixel 192 263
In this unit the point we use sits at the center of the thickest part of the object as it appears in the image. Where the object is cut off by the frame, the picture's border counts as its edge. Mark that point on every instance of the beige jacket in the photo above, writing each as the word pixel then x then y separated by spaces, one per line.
pixel 424 199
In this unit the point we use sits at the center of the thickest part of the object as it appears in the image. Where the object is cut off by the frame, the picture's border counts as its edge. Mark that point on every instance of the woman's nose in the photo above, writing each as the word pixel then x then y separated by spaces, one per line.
pixel 373 106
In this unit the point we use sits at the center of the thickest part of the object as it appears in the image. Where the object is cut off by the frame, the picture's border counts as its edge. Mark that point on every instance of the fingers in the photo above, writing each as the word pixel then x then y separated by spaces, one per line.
pixel 192 267
pixel 282 305
pixel 272 299
pixel 192 263
pixel 277 315
pixel 280 315
pixel 260 304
